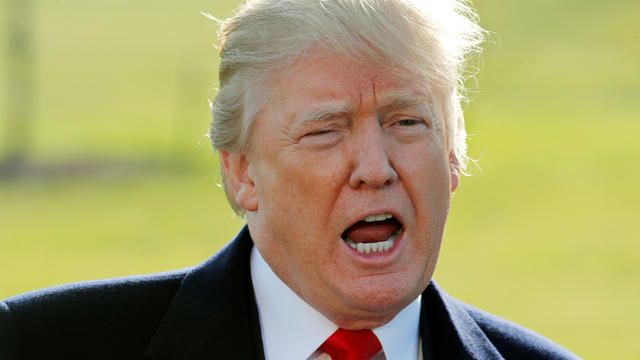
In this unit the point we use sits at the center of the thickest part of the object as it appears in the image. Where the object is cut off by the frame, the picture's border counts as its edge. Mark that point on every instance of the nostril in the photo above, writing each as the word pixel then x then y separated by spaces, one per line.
pixel 371 165
pixel 373 176
pixel 374 181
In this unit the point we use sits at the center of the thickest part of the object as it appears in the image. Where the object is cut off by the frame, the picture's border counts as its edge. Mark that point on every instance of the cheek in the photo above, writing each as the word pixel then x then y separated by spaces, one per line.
pixel 301 189
pixel 314 176
pixel 428 180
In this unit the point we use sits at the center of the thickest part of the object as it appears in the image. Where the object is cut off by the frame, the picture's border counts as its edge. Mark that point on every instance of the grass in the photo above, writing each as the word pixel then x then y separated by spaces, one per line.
pixel 546 235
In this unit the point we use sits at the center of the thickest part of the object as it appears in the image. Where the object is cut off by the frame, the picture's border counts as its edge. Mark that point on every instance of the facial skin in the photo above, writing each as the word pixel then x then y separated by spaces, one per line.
pixel 337 142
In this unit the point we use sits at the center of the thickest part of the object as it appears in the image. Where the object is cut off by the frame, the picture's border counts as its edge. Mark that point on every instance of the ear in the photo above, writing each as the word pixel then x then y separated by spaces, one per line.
pixel 454 168
pixel 239 182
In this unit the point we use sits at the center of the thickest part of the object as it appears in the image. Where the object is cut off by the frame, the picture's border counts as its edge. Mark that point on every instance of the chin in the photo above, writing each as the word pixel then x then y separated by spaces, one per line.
pixel 371 312
pixel 385 298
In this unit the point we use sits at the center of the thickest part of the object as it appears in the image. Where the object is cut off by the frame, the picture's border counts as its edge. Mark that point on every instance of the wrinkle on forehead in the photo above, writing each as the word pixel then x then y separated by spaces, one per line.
pixel 368 85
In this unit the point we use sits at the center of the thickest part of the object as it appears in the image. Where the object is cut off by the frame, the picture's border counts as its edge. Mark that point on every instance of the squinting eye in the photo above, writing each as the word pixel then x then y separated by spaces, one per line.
pixel 409 122
pixel 319 132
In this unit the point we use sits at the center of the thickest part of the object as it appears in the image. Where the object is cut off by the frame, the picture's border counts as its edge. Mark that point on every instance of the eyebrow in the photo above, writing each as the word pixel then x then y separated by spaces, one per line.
pixel 404 100
pixel 400 100
pixel 323 113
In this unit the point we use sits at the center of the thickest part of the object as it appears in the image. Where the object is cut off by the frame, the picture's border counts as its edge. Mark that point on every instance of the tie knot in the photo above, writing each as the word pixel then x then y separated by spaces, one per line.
pixel 351 345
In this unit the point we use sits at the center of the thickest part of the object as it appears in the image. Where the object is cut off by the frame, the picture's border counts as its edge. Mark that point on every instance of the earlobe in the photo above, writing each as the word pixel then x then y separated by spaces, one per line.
pixel 455 178
pixel 238 180
pixel 454 168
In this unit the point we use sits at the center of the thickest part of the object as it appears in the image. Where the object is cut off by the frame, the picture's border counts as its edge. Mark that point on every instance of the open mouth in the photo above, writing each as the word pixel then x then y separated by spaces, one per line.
pixel 373 234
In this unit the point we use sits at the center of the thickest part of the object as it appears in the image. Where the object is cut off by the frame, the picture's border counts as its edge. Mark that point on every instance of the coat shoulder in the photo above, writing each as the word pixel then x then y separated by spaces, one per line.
pixel 514 341
pixel 118 316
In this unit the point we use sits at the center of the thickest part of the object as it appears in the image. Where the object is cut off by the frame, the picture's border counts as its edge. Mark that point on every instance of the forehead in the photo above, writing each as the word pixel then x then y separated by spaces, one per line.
pixel 336 81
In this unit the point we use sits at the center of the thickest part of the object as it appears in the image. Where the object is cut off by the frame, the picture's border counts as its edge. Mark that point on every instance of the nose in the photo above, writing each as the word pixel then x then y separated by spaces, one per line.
pixel 371 165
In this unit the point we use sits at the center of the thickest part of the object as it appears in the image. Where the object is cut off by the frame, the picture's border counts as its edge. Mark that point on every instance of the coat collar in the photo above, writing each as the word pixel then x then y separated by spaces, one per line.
pixel 449 332
pixel 214 316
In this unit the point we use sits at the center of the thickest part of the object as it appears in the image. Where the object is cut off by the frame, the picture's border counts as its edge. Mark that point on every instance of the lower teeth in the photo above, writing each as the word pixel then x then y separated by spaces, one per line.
pixel 380 246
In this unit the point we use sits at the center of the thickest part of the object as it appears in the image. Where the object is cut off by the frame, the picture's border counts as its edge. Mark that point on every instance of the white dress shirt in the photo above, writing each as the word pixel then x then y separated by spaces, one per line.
pixel 293 330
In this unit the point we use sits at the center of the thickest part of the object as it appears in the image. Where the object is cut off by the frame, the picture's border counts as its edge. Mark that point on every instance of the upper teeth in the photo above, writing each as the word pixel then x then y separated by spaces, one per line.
pixel 378 217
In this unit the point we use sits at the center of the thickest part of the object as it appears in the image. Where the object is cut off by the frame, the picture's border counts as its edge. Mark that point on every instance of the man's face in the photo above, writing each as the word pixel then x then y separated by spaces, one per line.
pixel 347 185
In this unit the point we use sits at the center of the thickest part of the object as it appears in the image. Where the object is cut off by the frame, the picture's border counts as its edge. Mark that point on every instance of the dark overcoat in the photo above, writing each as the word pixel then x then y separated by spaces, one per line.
pixel 209 312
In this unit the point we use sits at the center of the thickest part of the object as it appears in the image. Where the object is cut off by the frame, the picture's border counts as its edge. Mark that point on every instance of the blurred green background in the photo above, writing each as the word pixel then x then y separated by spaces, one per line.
pixel 118 179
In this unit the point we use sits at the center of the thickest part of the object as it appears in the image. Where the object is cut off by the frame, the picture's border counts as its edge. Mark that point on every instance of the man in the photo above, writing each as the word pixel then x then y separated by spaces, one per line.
pixel 341 139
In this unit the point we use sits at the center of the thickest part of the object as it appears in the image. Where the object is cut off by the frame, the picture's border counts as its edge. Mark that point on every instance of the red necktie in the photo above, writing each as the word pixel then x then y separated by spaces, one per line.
pixel 351 345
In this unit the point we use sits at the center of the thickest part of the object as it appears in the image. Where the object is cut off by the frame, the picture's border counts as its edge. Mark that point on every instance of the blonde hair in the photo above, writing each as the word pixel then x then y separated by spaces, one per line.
pixel 429 39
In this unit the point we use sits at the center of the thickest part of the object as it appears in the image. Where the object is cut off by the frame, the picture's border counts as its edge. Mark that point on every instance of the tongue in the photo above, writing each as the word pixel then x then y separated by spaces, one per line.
pixel 366 232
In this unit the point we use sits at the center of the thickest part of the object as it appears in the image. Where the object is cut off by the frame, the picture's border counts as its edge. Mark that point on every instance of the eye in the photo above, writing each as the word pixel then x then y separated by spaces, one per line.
pixel 407 128
pixel 319 132
pixel 409 122
pixel 321 138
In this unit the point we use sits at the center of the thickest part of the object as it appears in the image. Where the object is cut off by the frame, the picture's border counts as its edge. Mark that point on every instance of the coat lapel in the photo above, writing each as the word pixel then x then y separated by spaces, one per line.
pixel 214 314
pixel 449 332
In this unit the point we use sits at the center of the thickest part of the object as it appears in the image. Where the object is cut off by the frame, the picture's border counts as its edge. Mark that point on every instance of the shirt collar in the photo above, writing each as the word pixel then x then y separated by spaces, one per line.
pixel 400 336
pixel 292 329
